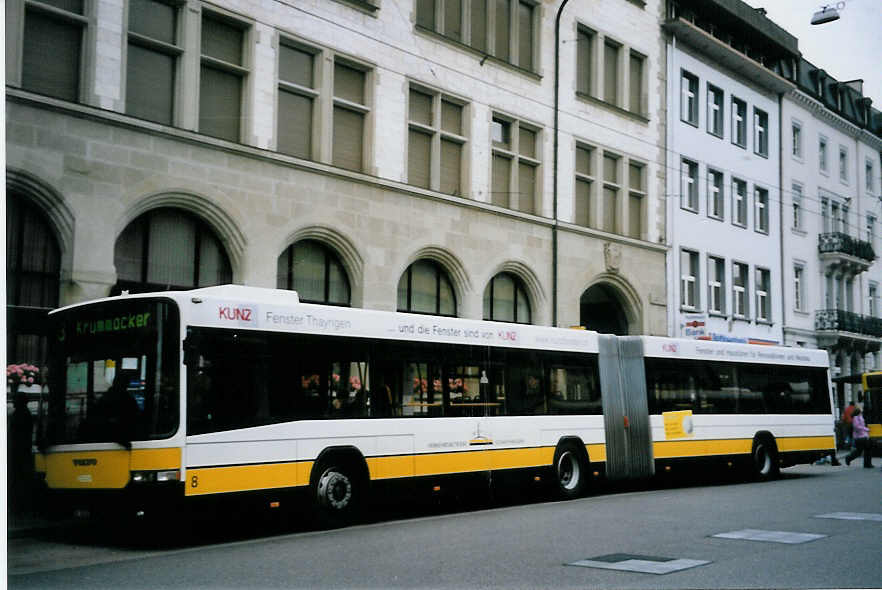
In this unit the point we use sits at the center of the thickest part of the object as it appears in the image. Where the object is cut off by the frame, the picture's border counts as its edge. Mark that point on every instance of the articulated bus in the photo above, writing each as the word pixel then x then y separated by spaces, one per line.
pixel 871 383
pixel 171 399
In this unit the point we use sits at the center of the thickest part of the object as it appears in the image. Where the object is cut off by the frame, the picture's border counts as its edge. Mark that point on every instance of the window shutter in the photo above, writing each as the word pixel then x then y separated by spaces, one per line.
pixel 295 66
pixel 479 25
pixel 583 204
pixel 451 167
pixel 501 181
pixel 51 56
pixel 611 74
pixel 420 108
pixel 220 97
pixel 348 139
pixel 295 124
pixel 451 117
pixel 150 84
pixel 348 83
pixel 636 84
pixel 526 188
pixel 525 36
pixel 419 159
pixel 585 61
pixel 503 29
pixel 222 41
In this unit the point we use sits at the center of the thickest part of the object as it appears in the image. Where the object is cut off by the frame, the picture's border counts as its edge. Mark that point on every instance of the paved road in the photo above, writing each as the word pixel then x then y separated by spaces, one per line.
pixel 519 546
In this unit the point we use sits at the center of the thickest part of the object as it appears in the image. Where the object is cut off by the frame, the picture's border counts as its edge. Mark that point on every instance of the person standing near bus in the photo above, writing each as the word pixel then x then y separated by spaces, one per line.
pixel 861 440
pixel 847 414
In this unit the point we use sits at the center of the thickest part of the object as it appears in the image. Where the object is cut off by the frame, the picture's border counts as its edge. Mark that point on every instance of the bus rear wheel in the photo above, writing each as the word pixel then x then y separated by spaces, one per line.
pixel 337 494
pixel 765 459
pixel 571 471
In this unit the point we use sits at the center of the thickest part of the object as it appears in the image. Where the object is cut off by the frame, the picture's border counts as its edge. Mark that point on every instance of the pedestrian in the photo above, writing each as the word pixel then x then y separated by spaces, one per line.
pixel 861 440
pixel 847 414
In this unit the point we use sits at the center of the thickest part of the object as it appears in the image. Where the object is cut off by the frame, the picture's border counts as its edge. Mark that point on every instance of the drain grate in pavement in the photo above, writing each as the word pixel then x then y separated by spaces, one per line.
pixel 852 516
pixel 770 536
pixel 645 564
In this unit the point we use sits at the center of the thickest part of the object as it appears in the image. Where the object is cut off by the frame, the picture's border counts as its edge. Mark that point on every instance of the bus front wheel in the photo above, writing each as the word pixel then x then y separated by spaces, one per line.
pixel 570 470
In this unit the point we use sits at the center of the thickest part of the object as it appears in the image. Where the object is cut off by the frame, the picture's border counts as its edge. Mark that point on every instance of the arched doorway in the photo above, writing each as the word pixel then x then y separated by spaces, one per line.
pixel 600 309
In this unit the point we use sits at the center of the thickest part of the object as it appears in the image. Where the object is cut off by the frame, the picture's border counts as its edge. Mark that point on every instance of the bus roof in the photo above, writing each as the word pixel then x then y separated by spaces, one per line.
pixel 279 310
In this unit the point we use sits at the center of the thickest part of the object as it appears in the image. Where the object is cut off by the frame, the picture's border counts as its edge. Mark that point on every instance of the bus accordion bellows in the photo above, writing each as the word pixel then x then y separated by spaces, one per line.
pixel 167 399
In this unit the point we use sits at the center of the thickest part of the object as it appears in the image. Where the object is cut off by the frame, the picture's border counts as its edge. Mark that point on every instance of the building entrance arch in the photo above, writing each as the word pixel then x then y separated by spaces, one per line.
pixel 602 308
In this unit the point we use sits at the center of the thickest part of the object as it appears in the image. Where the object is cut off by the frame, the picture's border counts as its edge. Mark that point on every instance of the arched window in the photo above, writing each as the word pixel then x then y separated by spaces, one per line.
pixel 315 272
pixel 505 300
pixel 33 279
pixel 167 249
pixel 425 288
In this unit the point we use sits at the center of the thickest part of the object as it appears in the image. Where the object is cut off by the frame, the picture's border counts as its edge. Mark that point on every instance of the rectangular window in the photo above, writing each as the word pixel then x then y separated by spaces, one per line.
pixel 436 143
pixel 611 72
pixel 584 206
pixel 760 132
pixel 689 185
pixel 222 77
pixel 796 137
pixel 716 285
pixel 585 61
pixel 714 111
pixel 796 196
pixel 798 288
pixel 349 116
pixel 843 164
pixel 822 154
pixel 873 300
pixel 516 165
pixel 739 202
pixel 688 279
pixel 52 50
pixel 611 187
pixel 152 60
pixel 870 181
pixel 739 122
pixel 689 98
pixel 761 212
pixel 297 97
pixel 763 295
pixel 715 204
pixel 871 230
pixel 635 84
pixel 739 290
pixel 506 29
pixel 636 198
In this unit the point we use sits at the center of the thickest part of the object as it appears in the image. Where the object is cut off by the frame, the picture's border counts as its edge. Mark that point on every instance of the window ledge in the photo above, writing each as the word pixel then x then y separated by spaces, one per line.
pixel 717 314
pixel 764 323
pixel 477 53
pixel 717 135
pixel 802 312
pixel 716 218
pixel 798 232
pixel 741 318
pixel 641 118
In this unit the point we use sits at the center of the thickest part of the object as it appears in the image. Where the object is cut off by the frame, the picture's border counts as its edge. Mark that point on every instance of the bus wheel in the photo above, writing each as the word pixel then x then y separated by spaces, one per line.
pixel 765 458
pixel 337 494
pixel 570 471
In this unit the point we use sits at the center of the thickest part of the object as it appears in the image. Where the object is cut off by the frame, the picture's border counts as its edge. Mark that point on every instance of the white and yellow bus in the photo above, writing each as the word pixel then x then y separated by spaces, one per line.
pixel 237 392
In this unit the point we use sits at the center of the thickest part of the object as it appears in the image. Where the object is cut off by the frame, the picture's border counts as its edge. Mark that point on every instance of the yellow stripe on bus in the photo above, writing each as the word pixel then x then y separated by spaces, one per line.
pixel 875 430
pixel 237 478
pixel 705 448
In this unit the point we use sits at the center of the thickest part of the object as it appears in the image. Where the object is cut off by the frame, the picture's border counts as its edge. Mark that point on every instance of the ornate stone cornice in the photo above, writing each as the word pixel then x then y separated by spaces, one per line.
pixel 823 113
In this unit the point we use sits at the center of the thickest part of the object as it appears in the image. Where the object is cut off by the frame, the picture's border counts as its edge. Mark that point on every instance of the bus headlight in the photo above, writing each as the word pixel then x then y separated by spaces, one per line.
pixel 156 476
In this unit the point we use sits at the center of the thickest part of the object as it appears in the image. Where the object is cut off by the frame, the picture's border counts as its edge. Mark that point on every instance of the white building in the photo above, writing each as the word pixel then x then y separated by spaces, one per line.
pixel 833 207
pixel 388 154
pixel 727 66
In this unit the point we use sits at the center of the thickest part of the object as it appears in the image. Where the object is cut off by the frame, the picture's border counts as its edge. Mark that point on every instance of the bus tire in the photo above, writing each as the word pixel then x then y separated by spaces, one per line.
pixel 764 456
pixel 337 492
pixel 570 470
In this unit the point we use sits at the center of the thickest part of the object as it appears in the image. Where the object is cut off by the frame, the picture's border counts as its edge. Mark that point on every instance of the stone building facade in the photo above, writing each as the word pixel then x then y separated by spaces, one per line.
pixel 378 154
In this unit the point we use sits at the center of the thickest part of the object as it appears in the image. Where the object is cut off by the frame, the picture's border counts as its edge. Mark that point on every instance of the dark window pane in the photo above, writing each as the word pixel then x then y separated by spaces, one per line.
pixel 150 85
pixel 453 19
pixel 51 56
pixel 156 20
pixel 295 124
pixel 451 167
pixel 75 6
pixel 501 181
pixel 426 13
pixel 349 83
pixel 479 25
pixel 503 29
pixel 295 66
pixel 221 40
pixel 527 188
pixel 348 138
pixel 419 158
pixel 525 36
pixel 220 98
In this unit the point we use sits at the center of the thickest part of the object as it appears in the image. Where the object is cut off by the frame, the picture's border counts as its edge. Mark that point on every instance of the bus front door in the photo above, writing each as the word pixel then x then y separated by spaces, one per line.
pixel 625 408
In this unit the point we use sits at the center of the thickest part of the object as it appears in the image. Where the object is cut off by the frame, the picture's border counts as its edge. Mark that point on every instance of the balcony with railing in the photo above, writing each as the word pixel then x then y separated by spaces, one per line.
pixel 843 254
pixel 845 329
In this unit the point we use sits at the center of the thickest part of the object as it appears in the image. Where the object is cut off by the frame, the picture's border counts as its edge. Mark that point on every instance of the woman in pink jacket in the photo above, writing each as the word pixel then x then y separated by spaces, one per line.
pixel 861 439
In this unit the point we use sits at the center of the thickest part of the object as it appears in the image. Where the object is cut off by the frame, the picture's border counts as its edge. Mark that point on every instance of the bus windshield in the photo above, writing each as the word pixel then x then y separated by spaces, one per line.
pixel 114 372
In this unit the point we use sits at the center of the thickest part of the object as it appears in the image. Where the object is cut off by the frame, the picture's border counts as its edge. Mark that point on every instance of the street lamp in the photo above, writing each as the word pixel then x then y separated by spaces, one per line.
pixel 827 13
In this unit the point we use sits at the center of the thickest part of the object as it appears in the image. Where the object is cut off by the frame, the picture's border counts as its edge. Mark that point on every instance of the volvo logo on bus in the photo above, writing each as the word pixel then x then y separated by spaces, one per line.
pixel 85 462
